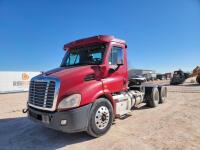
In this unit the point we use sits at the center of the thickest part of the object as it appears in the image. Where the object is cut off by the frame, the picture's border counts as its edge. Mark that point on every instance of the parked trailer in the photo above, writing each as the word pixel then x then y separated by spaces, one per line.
pixel 15 81
pixel 89 89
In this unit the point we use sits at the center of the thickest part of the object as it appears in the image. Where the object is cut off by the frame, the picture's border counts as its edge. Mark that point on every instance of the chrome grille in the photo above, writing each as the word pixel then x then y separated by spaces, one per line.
pixel 43 93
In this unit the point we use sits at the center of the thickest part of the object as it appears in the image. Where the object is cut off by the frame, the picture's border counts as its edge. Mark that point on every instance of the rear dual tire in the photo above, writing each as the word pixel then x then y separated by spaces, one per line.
pixel 152 97
pixel 155 96
pixel 162 94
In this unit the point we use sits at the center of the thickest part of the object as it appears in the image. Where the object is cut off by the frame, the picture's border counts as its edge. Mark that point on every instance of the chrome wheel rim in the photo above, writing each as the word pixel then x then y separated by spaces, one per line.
pixel 102 117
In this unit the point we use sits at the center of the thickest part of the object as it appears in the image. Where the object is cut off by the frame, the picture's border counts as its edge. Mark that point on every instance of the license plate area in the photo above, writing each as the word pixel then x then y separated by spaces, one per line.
pixel 45 119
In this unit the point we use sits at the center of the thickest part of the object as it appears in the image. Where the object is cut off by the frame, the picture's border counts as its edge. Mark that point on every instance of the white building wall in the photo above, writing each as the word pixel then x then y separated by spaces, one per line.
pixel 15 81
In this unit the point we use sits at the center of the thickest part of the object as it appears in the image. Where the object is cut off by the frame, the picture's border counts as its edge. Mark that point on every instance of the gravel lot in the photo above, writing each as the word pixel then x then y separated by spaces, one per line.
pixel 173 125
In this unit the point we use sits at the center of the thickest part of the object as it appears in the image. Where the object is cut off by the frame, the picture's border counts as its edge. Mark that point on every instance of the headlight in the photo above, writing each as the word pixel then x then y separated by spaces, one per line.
pixel 70 101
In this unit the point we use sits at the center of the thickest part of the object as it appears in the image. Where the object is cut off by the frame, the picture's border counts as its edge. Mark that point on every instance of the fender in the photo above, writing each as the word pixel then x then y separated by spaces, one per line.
pixel 105 94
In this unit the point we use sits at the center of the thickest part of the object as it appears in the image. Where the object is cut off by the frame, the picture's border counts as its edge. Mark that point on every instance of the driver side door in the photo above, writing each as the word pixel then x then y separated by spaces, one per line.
pixel 116 80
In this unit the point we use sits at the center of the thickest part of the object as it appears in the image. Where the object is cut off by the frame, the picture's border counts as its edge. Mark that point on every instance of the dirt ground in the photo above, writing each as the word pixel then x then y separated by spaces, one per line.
pixel 173 125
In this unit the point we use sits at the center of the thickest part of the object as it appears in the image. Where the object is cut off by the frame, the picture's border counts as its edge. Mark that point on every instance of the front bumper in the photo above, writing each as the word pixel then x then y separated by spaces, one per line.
pixel 76 119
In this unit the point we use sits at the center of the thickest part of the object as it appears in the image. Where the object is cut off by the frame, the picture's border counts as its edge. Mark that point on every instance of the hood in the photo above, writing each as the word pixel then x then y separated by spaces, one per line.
pixel 69 72
pixel 73 78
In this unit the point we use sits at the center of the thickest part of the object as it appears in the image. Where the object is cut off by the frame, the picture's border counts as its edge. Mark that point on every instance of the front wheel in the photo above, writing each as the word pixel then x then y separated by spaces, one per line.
pixel 101 117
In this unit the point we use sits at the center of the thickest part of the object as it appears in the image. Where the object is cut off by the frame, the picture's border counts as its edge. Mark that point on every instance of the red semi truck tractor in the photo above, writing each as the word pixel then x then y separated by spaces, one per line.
pixel 89 89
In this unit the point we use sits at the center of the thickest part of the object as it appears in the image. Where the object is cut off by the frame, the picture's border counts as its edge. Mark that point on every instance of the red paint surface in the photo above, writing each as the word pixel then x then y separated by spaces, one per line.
pixel 72 79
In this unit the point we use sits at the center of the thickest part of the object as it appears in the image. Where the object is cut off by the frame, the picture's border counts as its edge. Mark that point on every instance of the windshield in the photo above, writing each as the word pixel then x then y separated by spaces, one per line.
pixel 88 55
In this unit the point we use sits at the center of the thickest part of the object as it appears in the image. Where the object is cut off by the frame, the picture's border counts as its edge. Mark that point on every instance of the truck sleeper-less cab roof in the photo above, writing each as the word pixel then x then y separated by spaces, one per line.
pixel 94 39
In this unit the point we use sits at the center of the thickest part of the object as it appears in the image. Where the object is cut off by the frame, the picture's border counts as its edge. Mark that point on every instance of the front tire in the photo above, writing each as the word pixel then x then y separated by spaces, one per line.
pixel 101 117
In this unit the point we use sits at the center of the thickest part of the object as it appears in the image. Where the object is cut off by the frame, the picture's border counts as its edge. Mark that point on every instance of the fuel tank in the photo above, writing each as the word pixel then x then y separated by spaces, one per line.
pixel 126 100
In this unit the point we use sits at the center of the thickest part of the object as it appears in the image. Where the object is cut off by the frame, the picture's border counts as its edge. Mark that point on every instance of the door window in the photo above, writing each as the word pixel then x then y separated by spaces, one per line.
pixel 116 56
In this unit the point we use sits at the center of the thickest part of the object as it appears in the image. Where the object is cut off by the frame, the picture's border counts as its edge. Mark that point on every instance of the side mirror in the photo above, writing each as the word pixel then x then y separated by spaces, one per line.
pixel 115 67
pixel 111 70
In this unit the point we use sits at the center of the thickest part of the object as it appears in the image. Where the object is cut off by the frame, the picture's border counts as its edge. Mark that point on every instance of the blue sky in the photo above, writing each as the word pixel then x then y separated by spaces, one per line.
pixel 161 34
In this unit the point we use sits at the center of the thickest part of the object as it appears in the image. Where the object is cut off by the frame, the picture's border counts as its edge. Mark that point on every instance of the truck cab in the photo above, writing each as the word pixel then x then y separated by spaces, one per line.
pixel 89 89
